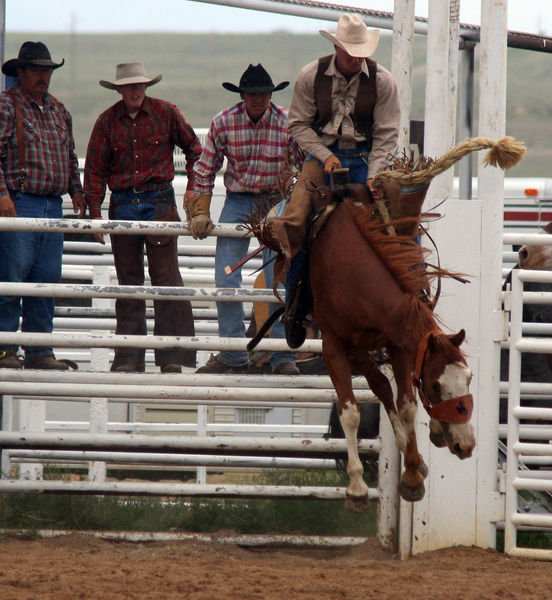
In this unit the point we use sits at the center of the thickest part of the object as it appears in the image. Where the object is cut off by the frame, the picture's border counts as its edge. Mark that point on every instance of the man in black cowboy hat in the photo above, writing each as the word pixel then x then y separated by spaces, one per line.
pixel 131 151
pixel 253 136
pixel 38 165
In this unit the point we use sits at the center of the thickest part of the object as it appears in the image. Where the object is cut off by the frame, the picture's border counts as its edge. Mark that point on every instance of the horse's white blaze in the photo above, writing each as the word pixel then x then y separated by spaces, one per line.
pixel 350 420
pixel 454 381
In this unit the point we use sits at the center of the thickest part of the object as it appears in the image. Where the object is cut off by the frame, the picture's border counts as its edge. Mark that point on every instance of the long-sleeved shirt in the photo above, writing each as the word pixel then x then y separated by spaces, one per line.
pixel 52 167
pixel 257 153
pixel 340 127
pixel 125 152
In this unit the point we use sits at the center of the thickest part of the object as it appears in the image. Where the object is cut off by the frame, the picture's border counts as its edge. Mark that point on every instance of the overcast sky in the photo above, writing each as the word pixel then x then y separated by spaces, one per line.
pixel 187 15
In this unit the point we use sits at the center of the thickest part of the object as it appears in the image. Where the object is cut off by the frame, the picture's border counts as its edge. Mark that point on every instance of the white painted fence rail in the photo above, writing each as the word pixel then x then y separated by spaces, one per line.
pixel 519 452
pixel 85 261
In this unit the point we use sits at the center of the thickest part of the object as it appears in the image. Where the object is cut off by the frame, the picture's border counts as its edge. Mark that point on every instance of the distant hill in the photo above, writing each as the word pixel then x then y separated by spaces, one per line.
pixel 195 65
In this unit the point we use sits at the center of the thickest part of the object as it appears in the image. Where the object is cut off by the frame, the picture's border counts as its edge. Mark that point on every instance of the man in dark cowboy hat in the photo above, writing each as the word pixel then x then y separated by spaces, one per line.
pixel 131 151
pixel 253 136
pixel 37 165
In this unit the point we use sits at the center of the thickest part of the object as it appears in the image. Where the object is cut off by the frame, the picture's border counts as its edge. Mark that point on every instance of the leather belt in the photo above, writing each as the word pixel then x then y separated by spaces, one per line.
pixel 146 187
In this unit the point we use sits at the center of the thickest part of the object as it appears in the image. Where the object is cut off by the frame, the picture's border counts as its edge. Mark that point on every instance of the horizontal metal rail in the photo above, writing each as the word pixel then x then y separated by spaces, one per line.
pixel 115 227
pixel 92 340
pixel 177 394
pixel 221 445
pixel 136 292
pixel 197 490
pixel 180 460
pixel 185 379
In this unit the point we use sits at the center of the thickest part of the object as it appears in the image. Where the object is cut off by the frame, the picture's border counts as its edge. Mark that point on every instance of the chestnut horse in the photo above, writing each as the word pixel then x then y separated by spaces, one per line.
pixel 368 292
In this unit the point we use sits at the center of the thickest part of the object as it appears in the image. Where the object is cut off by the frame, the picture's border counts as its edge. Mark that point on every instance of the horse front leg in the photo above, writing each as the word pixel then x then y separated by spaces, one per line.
pixel 411 487
pixel 364 364
pixel 339 368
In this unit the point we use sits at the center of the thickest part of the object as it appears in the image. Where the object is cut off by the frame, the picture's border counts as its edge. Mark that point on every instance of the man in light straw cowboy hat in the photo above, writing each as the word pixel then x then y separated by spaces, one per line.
pixel 253 136
pixel 38 165
pixel 131 151
pixel 345 113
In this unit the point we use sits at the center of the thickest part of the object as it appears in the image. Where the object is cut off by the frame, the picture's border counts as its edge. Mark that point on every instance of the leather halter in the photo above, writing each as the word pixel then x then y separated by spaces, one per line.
pixel 455 410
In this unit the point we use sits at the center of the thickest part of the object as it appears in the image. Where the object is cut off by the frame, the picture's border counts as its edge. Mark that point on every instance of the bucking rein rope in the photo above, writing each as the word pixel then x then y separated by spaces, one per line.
pixel 504 153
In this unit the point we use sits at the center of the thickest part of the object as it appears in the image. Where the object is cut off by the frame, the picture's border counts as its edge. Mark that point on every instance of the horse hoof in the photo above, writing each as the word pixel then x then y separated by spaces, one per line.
pixel 357 503
pixel 411 494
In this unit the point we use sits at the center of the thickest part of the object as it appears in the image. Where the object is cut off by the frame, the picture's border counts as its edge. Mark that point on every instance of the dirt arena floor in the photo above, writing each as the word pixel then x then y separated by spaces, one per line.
pixel 79 567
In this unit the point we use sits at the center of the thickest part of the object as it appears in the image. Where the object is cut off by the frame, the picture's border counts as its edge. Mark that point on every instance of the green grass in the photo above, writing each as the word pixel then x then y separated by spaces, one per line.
pixel 109 513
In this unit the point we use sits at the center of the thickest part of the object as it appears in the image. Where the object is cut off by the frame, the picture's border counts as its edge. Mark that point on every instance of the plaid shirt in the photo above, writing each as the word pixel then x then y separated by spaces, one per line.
pixel 51 163
pixel 124 152
pixel 257 153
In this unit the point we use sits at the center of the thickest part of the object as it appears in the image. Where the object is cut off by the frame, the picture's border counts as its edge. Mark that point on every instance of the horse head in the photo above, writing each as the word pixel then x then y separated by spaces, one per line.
pixel 442 378
pixel 537 256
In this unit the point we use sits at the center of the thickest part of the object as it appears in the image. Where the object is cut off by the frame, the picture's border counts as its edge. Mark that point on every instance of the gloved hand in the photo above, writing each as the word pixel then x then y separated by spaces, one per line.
pixel 197 214
pixel 201 226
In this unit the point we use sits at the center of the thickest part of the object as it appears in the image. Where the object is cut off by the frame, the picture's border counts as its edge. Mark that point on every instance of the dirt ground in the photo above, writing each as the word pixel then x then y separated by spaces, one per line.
pixel 79 567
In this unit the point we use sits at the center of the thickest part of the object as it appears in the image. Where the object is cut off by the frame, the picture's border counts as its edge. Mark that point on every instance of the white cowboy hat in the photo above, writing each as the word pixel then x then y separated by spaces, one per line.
pixel 128 73
pixel 354 37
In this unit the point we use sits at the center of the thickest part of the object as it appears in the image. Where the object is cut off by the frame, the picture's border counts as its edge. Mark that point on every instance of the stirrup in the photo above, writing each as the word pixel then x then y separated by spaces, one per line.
pixel 295 331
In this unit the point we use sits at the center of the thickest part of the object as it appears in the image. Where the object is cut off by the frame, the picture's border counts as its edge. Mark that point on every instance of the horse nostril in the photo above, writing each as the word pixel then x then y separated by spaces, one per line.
pixel 457 449
pixel 523 254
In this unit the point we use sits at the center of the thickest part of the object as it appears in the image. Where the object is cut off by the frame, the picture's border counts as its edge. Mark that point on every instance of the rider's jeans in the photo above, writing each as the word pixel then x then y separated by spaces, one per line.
pixel 33 257
pixel 236 209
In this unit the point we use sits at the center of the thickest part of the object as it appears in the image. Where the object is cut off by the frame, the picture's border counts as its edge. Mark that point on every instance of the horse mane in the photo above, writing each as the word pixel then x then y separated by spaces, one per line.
pixel 402 256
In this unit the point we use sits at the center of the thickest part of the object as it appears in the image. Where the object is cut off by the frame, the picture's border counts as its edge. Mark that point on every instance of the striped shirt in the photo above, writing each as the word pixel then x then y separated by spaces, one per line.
pixel 257 153
pixel 51 163
pixel 125 152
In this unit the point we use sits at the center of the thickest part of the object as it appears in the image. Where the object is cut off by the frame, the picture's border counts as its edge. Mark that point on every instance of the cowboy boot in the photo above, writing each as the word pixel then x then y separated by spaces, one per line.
pixel 405 203
pixel 286 234
pixel 297 309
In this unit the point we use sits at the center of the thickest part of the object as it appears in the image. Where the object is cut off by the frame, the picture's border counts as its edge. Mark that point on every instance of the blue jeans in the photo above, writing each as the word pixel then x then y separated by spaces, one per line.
pixel 236 209
pixel 358 173
pixel 32 258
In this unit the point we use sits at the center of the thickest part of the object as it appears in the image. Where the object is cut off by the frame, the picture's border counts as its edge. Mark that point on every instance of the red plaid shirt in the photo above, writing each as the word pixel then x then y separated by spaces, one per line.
pixel 51 163
pixel 257 152
pixel 124 152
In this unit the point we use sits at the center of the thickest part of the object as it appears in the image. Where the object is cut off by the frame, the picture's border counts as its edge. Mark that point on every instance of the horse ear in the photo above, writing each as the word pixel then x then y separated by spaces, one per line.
pixel 458 338
pixel 431 342
pixel 548 228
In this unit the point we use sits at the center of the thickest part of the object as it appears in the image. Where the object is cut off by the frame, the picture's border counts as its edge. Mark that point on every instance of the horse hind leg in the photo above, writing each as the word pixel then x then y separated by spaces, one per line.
pixel 339 368
pixel 356 499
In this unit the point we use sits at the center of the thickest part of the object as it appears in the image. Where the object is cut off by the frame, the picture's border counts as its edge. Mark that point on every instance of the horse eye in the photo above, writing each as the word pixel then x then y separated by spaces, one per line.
pixel 436 387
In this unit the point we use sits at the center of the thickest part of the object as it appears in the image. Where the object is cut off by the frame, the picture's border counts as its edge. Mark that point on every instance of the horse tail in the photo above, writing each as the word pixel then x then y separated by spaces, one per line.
pixel 504 153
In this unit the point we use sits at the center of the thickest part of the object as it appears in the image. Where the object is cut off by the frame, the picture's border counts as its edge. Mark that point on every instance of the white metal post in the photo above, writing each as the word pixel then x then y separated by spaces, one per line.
pixel 99 361
pixel 427 516
pixel 401 63
pixel 201 471
pixel 492 121
pixel 512 461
